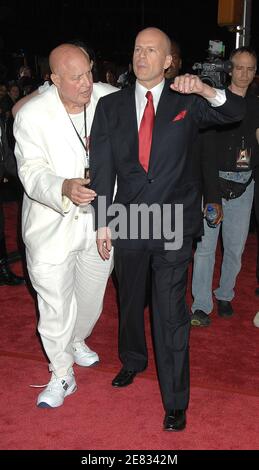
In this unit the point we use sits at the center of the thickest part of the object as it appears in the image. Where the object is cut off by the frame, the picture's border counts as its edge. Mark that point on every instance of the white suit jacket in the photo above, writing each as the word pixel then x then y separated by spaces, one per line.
pixel 47 152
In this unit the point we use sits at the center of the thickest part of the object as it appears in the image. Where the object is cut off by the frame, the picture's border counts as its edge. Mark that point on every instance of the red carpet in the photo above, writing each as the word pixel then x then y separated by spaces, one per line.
pixel 224 405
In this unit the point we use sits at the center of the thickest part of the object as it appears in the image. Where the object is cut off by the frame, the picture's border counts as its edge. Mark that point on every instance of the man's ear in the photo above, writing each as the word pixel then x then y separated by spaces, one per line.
pixel 55 79
pixel 168 61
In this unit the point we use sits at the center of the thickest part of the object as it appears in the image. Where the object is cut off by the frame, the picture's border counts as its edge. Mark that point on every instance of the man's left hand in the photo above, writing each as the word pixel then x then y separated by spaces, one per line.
pixel 104 244
pixel 219 210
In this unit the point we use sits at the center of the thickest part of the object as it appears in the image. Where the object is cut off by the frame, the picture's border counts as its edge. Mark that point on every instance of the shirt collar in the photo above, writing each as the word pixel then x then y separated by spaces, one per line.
pixel 156 92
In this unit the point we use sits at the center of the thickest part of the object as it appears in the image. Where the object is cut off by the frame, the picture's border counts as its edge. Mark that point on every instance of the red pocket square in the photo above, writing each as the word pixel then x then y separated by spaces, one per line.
pixel 180 115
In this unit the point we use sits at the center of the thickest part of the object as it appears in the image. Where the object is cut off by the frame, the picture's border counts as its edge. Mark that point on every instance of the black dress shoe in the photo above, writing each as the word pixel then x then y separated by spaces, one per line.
pixel 7 277
pixel 175 420
pixel 123 378
pixel 225 309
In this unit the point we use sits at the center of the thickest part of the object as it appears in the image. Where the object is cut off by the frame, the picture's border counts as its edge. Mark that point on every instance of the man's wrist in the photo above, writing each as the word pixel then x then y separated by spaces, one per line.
pixel 208 92
pixel 219 98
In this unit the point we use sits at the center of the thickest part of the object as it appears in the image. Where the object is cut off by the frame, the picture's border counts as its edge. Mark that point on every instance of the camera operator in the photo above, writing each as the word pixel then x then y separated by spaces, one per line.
pixel 237 154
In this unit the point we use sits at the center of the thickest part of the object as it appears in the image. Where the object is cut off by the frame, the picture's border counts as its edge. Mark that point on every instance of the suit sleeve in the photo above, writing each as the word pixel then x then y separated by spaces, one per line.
pixel 38 179
pixel 102 167
pixel 232 110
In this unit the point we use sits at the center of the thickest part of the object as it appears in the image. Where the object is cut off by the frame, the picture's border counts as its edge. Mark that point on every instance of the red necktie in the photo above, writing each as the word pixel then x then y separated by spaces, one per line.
pixel 145 131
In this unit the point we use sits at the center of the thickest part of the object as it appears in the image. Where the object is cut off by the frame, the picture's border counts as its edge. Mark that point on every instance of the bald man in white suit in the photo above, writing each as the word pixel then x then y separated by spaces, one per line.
pixel 64 266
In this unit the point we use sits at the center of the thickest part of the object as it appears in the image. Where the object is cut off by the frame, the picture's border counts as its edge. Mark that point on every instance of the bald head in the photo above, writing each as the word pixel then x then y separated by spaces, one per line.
pixel 152 55
pixel 71 73
pixel 158 35
pixel 64 55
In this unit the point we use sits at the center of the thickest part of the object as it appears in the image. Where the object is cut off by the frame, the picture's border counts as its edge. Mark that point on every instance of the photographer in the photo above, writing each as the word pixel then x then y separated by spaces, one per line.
pixel 237 153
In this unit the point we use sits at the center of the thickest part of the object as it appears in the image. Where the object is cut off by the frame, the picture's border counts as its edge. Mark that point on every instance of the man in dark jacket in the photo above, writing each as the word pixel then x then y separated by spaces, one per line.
pixel 155 173
pixel 7 168
pixel 235 149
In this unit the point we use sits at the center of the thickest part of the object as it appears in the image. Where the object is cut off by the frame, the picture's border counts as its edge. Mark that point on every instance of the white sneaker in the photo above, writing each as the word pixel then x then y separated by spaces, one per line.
pixel 84 356
pixel 57 389
pixel 256 320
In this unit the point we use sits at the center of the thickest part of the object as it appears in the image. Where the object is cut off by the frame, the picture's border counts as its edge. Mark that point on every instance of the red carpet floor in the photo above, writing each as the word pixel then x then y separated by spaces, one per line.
pixel 224 404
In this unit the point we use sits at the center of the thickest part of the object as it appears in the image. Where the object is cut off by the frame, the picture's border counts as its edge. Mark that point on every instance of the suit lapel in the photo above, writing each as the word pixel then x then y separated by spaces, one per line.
pixel 90 110
pixel 165 110
pixel 169 105
pixel 129 120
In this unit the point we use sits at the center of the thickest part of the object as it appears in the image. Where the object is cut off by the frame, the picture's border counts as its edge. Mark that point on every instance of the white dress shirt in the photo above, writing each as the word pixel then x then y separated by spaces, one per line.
pixel 141 100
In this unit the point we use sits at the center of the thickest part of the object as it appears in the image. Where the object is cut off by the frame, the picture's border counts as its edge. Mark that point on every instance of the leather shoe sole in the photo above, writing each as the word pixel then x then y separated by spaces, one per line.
pixel 175 420
pixel 124 378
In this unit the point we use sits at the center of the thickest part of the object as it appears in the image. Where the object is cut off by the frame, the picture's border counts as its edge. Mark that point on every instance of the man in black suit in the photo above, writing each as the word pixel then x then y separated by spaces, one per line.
pixel 167 180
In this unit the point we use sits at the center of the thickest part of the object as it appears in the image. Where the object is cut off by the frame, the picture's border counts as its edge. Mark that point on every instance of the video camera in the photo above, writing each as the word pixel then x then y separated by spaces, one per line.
pixel 214 71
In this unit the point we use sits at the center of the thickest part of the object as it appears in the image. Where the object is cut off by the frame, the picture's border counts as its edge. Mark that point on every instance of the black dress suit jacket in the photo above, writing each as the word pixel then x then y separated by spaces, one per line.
pixel 173 176
pixel 7 159
pixel 7 168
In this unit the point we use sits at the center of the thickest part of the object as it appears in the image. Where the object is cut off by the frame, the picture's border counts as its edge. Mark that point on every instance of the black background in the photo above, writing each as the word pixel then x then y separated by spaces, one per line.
pixel 36 26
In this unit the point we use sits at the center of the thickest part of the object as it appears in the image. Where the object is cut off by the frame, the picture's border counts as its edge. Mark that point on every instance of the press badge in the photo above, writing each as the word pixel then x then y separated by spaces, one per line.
pixel 243 157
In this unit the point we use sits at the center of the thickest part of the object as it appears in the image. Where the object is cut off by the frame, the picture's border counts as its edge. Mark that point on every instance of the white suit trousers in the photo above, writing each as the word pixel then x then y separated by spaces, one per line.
pixel 70 300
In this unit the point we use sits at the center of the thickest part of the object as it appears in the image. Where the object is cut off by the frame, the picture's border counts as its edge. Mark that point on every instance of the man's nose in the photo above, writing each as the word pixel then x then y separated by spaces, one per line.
pixel 87 80
pixel 143 53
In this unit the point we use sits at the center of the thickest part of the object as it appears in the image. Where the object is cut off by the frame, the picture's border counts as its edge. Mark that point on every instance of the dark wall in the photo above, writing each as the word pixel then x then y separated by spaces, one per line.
pixel 37 26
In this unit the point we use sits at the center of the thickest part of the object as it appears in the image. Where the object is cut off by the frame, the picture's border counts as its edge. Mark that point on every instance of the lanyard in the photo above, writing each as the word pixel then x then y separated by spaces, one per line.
pixel 78 135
